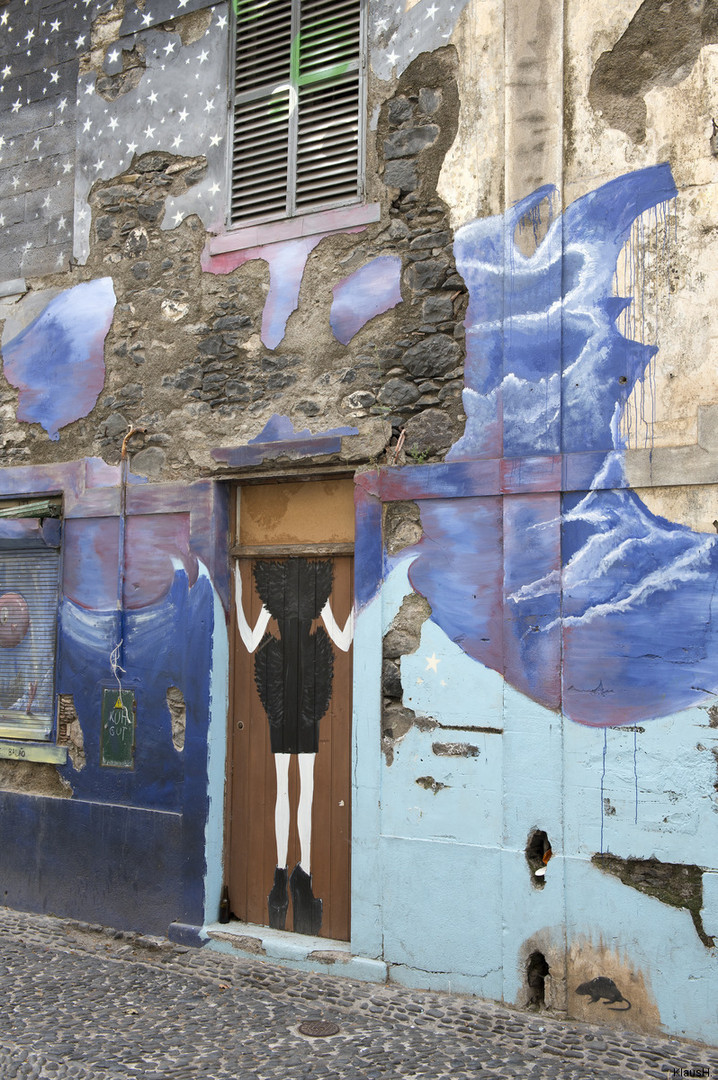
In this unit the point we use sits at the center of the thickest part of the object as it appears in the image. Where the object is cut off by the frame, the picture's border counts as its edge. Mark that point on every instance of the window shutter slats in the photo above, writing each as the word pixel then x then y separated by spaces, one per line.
pixel 263 46
pixel 297 106
pixel 328 142
pixel 330 38
pixel 29 589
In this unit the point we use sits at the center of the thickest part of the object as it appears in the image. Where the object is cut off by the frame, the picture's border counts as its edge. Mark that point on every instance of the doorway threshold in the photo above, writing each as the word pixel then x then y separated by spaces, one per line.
pixel 298 951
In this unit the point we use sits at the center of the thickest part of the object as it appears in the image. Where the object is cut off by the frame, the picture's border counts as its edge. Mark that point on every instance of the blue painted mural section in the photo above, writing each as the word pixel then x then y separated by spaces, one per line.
pixel 165 644
pixel 57 362
pixel 368 292
pixel 546 367
pixel 136 836
pixel 624 596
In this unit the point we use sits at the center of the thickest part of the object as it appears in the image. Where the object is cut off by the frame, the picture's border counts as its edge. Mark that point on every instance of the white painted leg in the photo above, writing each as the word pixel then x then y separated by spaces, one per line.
pixel 281 807
pixel 304 810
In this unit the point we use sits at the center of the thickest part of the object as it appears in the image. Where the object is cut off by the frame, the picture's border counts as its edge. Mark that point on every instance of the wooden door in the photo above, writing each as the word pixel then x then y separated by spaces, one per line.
pixel 290 782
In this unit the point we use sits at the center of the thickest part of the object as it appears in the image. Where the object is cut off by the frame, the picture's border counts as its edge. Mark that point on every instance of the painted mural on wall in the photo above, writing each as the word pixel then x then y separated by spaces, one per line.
pixel 371 290
pixel 294 675
pixel 176 104
pixel 577 579
pixel 57 362
pixel 399 32
pixel 41 43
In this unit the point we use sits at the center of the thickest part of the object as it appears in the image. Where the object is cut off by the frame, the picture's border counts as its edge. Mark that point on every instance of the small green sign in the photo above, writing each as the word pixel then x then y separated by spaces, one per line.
pixel 117 742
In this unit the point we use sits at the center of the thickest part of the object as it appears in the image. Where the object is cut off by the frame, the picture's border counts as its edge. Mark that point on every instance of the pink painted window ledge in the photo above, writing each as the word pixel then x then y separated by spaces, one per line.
pixel 272 232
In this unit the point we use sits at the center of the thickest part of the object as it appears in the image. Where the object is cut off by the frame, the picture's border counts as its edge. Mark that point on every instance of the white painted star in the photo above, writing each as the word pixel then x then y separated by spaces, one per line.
pixel 87 125
pixel 55 26
pixel 182 3
pixel 209 105
pixel 61 223
pixel 381 24
pixel 16 106
pixel 29 36
pixel 81 214
pixel 152 98
pixel 431 12
pixel 63 105
pixel 147 20
pixel 215 140
pixel 7 70
pixel 90 88
pixel 67 167
pixel 183 115
pixel 214 189
pixel 132 146
pixel 113 56
pixel 392 57
pixel 54 76
pixel 113 123
pixel 98 165
pixel 419 681
pixel 221 21
pixel 169 48
pixel 203 56
pixel 4 18
pixel 178 217
pixel 36 144
pixel 177 141
pixel 80 41
pixel 432 662
pixel 46 202
pixel 149 131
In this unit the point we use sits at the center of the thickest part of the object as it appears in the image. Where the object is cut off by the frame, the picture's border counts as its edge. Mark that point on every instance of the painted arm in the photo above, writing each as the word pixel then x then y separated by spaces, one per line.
pixel 250 637
pixel 341 638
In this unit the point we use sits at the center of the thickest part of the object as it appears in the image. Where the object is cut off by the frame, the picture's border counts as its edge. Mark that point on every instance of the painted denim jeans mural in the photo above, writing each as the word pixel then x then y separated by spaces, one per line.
pixel 591 583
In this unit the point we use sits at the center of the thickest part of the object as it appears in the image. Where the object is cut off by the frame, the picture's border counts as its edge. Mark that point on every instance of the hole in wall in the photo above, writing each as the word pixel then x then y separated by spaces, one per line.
pixel 538 853
pixel 536 971
pixel 178 715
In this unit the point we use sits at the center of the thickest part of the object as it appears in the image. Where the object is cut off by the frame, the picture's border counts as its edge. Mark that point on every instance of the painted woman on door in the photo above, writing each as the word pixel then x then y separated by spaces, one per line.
pixel 294 675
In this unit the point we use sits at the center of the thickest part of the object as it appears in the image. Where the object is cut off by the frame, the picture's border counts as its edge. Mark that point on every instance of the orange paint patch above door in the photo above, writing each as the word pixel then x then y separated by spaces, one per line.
pixel 320 512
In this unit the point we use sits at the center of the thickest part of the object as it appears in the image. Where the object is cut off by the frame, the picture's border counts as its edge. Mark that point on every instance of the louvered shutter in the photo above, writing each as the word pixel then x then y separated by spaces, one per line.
pixel 297 106
pixel 328 113
pixel 29 592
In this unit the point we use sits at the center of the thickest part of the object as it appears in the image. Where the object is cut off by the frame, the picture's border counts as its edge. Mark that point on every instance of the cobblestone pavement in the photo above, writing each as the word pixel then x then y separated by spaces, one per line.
pixel 83 1002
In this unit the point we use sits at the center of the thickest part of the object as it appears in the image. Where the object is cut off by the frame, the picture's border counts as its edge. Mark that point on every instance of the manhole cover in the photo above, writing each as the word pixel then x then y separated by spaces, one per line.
pixel 318 1028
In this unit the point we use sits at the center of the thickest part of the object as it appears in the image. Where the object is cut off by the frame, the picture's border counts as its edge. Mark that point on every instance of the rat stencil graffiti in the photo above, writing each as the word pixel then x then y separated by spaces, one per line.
pixel 293 673
pixel 605 990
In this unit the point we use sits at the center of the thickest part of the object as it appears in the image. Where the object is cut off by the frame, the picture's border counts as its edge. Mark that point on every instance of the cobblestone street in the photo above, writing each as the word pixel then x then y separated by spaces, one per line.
pixel 83 1002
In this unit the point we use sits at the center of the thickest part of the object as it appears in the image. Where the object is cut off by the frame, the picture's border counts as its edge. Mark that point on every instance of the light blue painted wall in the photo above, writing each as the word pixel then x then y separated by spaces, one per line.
pixel 445 894
pixel 216 763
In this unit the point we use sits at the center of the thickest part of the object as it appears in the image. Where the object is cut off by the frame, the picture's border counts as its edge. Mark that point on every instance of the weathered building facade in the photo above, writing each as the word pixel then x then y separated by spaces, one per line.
pixel 357 498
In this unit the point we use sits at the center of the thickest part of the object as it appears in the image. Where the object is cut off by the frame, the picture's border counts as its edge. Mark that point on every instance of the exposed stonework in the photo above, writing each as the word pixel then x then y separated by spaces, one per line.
pixel 33 778
pixel 402 526
pixel 69 732
pixel 401 639
pixel 677 884
pixel 178 716
pixel 423 372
